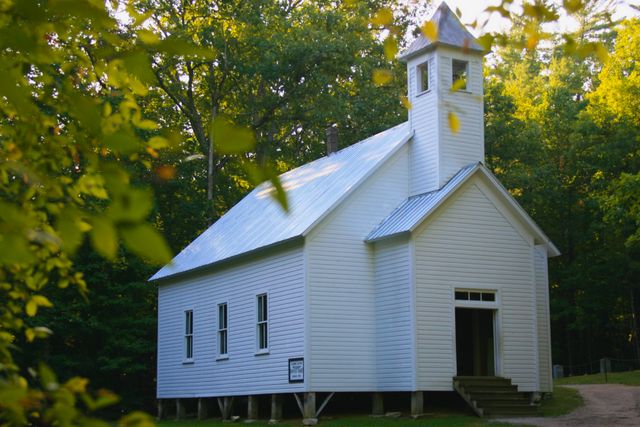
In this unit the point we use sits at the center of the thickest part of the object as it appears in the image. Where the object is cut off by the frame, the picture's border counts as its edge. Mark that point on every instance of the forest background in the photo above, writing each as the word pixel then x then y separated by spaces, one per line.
pixel 106 138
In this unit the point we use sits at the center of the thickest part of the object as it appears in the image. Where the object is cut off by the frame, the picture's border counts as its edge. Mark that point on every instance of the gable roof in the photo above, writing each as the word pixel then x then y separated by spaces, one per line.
pixel 451 32
pixel 313 190
pixel 415 210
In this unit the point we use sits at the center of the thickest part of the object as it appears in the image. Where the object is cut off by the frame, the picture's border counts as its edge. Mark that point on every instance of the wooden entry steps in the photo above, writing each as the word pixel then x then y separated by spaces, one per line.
pixel 494 397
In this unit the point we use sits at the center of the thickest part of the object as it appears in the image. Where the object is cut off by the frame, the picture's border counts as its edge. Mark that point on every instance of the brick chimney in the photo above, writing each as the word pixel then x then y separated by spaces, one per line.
pixel 332 139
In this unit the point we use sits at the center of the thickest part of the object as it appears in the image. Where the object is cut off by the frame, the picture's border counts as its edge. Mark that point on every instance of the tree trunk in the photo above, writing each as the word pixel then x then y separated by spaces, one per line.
pixel 214 113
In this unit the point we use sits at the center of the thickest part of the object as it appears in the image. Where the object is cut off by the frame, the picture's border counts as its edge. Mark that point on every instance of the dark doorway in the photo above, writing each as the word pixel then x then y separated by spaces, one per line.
pixel 474 341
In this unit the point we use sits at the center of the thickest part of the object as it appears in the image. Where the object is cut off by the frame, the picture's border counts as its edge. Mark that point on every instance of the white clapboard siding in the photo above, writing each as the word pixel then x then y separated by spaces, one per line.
pixel 394 339
pixel 467 145
pixel 341 283
pixel 423 119
pixel 279 274
pixel 544 334
pixel 470 243
pixel 438 153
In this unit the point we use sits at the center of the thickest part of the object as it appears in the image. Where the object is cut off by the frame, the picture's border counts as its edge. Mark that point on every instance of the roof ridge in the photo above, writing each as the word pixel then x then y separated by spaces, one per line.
pixel 341 151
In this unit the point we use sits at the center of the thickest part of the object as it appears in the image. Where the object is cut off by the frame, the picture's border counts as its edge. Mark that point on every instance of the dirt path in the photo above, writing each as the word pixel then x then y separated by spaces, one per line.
pixel 604 405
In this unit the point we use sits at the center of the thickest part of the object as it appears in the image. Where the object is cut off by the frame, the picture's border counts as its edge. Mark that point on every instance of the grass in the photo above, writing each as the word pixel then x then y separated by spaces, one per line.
pixel 563 401
pixel 357 421
pixel 566 400
pixel 628 378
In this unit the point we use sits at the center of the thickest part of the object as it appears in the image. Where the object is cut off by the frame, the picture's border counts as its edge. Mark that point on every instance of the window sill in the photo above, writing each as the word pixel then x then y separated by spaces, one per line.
pixel 424 92
pixel 187 362
pixel 262 352
pixel 222 357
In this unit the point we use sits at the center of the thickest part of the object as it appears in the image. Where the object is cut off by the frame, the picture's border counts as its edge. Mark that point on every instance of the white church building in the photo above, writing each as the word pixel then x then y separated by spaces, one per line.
pixel 403 265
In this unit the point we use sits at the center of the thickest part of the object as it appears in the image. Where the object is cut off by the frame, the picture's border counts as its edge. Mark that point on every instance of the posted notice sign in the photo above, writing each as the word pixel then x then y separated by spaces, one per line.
pixel 296 370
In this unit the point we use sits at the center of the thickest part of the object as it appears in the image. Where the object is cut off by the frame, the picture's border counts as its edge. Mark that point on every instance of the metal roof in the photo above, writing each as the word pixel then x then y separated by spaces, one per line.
pixel 415 209
pixel 313 190
pixel 451 32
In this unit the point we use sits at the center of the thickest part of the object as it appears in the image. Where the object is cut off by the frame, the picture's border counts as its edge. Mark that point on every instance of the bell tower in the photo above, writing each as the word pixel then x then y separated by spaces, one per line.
pixel 446 95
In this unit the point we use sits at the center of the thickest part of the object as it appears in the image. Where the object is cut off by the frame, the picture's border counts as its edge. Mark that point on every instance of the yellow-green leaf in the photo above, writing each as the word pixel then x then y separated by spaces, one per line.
pixel 34 302
pixel 14 249
pixel 48 378
pixel 68 230
pixel 138 66
pixel 148 37
pixel 454 122
pixel 280 195
pixel 158 142
pixel 382 77
pixel 175 46
pixel 138 18
pixel 132 205
pixel 42 331
pixel 601 52
pixel 383 18
pixel 92 185
pixel 486 41
pixel 123 141
pixel 87 111
pixel 405 102
pixel 430 30
pixel 144 241
pixel 228 138
pixel 77 385
pixel 573 6
pixel 138 87
pixel 500 9
pixel 390 46
pixel 105 398
pixel 458 84
pixel 145 124
pixel 107 109
pixel 104 237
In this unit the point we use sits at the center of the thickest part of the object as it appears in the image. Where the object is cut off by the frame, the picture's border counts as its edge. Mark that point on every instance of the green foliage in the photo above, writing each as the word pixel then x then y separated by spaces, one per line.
pixel 617 97
pixel 110 336
pixel 564 400
pixel 283 70
pixel 569 156
pixel 70 121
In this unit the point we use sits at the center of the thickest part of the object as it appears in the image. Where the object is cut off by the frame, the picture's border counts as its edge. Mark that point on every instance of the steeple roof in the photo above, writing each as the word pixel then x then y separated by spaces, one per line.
pixel 451 32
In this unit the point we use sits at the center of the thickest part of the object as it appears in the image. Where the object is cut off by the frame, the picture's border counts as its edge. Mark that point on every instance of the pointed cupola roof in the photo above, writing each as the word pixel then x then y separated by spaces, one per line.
pixel 451 33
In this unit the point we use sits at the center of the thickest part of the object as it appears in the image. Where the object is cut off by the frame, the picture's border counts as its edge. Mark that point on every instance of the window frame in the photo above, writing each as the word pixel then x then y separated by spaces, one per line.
pixel 262 324
pixel 188 348
pixel 223 332
pixel 466 74
pixel 422 70
pixel 481 298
